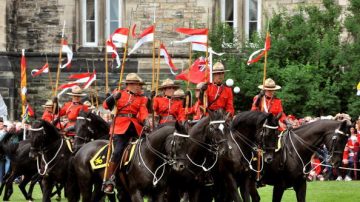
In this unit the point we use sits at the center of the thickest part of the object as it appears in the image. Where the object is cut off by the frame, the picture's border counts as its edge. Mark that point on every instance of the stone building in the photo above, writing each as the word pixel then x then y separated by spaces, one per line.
pixel 36 26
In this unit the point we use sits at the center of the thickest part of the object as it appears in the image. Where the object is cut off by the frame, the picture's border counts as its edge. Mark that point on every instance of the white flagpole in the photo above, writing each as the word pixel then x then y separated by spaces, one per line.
pixel 211 63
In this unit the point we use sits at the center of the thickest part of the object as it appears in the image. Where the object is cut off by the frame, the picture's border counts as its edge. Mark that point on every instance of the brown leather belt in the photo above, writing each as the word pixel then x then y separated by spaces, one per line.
pixel 127 115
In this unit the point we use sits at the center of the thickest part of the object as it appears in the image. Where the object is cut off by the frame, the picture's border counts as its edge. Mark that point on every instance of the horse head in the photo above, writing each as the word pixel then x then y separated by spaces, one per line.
pixel 217 129
pixel 267 135
pixel 42 134
pixel 175 147
pixel 88 126
pixel 337 143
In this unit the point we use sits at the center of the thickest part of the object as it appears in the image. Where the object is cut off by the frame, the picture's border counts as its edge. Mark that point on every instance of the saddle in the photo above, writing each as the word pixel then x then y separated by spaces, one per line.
pixel 128 153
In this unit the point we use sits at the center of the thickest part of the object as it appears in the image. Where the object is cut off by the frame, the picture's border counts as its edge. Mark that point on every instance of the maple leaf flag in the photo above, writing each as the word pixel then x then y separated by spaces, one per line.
pixel 196 35
pixel 66 49
pixel 163 52
pixel 197 72
pixel 120 35
pixel 261 52
pixel 111 48
pixel 146 36
pixel 37 72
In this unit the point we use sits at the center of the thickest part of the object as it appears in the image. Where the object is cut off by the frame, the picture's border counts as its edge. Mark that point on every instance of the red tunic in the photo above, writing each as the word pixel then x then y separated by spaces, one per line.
pixel 168 109
pixel 223 97
pixel 196 111
pixel 351 150
pixel 273 105
pixel 48 116
pixel 72 110
pixel 134 106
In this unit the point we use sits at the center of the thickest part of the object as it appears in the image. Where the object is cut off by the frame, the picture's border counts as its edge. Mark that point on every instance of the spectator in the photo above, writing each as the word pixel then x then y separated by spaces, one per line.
pixel 2 158
pixel 350 154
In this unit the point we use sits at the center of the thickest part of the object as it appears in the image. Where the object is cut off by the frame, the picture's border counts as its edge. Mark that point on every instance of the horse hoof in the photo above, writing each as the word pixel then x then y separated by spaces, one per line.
pixel 58 198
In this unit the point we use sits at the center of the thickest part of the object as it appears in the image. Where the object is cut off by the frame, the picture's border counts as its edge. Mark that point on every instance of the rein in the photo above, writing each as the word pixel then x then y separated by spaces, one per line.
pixel 163 157
pixel 209 147
pixel 308 146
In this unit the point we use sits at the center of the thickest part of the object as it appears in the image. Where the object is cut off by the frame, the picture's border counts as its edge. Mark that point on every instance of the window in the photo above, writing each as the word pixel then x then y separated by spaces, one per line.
pixel 229 12
pixel 113 16
pixel 89 23
pixel 252 17
pixel 99 19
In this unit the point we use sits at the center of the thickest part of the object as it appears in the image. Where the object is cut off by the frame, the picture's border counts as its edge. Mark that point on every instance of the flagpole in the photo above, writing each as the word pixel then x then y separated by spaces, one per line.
pixel 59 64
pixel 154 54
pixel 90 89
pixel 95 88
pixel 106 69
pixel 188 80
pixel 206 65
pixel 158 70
pixel 123 60
pixel 265 60
pixel 49 72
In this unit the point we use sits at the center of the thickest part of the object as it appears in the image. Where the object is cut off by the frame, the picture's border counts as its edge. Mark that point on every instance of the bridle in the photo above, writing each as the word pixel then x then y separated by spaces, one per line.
pixel 211 148
pixel 263 133
pixel 42 152
pixel 86 138
pixel 167 159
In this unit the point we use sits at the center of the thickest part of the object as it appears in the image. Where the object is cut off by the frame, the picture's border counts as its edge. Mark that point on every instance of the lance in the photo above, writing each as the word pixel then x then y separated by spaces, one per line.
pixel 59 64
pixel 50 78
pixel 158 69
pixel 187 99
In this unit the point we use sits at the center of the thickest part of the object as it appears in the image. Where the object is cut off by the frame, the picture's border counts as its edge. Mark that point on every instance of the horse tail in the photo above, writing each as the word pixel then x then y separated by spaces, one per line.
pixel 72 189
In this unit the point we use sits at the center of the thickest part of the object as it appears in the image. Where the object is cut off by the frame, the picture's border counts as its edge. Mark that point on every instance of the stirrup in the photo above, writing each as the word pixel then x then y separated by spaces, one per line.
pixel 109 184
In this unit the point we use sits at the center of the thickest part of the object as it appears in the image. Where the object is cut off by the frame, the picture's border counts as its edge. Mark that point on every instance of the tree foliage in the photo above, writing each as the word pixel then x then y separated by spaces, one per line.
pixel 317 65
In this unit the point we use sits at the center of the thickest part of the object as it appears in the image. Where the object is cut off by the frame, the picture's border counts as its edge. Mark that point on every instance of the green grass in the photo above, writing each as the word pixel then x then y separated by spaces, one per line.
pixel 330 191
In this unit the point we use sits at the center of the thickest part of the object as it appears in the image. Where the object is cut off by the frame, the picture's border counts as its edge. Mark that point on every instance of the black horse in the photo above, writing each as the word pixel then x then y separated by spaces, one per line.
pixel 21 164
pixel 88 127
pixel 206 143
pixel 52 156
pixel 289 167
pixel 251 132
pixel 146 174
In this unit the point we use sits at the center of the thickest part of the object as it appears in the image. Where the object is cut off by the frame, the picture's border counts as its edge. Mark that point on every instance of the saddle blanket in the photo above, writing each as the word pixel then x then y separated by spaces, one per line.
pixel 99 159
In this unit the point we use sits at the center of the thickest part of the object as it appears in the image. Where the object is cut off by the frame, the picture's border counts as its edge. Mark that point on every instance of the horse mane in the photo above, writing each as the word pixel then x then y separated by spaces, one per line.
pixel 8 147
pixel 249 118
pixel 101 125
pixel 199 126
pixel 48 127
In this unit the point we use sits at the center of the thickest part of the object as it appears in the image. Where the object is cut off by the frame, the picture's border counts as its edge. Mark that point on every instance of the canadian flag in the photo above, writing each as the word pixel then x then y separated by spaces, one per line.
pixel 163 52
pixel 260 53
pixel 111 48
pixel 197 72
pixel 66 49
pixel 196 35
pixel 146 36
pixel 91 79
pixel 37 72
pixel 120 35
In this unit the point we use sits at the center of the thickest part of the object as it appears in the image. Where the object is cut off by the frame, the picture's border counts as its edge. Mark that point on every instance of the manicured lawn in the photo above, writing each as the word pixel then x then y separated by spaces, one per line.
pixel 330 191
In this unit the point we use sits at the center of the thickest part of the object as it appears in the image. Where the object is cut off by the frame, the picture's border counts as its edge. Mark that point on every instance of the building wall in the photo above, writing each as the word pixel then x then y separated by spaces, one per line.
pixel 2 25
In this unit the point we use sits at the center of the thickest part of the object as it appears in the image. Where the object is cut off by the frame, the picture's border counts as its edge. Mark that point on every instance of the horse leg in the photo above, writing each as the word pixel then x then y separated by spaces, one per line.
pixel 278 192
pixel 22 186
pixel 136 196
pixel 85 186
pixel 8 188
pixel 255 197
pixel 232 187
pixel 48 185
pixel 31 188
pixel 300 189
pixel 245 189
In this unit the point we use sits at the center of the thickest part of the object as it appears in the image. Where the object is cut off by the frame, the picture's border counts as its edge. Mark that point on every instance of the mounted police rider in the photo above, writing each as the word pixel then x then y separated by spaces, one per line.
pixel 129 121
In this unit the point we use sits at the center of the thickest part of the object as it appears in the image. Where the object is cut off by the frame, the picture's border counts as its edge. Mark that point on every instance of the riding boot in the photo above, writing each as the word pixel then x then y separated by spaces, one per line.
pixel 109 183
